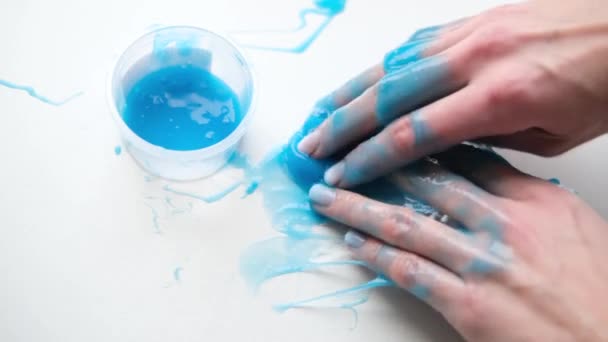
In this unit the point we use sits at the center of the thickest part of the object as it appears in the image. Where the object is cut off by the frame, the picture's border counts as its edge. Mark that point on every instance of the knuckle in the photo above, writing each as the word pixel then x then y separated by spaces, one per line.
pixel 492 40
pixel 401 135
pixel 501 11
pixel 405 270
pixel 396 227
pixel 510 91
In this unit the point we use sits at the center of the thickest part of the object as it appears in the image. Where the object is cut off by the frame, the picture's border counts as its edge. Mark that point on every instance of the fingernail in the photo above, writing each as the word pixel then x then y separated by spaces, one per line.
pixel 310 142
pixel 354 239
pixel 321 195
pixel 334 174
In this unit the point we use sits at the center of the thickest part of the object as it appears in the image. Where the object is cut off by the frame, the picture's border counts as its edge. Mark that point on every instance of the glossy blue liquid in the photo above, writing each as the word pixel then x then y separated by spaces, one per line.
pixel 182 108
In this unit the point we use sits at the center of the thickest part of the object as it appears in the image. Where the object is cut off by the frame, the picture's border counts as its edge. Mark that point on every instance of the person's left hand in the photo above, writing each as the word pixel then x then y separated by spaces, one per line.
pixel 530 265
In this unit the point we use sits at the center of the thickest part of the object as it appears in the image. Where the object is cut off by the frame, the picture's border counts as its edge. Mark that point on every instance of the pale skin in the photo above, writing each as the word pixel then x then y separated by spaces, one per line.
pixel 531 265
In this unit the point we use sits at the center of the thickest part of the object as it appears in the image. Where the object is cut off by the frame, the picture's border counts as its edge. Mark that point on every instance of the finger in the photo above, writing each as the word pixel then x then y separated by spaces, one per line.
pixel 424 279
pixel 407 89
pixel 490 171
pixel 449 38
pixel 436 30
pixel 403 228
pixel 352 89
pixel 532 140
pixel 454 196
pixel 417 47
pixel 444 123
pixel 407 53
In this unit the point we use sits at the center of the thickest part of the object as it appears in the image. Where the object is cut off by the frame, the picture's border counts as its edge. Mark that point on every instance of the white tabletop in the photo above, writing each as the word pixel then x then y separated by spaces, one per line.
pixel 80 255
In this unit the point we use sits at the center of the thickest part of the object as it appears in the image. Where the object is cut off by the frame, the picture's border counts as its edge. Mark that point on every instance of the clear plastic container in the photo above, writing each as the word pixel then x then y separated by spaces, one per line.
pixel 179 45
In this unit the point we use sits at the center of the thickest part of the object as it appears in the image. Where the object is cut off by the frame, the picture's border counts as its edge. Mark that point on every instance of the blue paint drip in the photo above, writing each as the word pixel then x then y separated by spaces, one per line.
pixel 33 93
pixel 155 218
pixel 326 8
pixel 209 198
pixel 182 108
pixel 117 150
pixel 374 283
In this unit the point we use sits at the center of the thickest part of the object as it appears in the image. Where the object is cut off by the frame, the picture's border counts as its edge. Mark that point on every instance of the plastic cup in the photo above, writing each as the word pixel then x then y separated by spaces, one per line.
pixel 181 45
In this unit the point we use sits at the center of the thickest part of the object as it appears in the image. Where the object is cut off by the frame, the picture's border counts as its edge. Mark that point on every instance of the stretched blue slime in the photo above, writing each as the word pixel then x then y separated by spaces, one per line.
pixel 326 8
pixel 33 93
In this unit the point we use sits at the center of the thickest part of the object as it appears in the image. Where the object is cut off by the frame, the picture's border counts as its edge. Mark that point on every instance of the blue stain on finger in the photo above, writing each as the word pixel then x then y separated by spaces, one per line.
pixel 33 93
pixel 423 134
pixel 426 33
pixel 412 87
pixel 404 55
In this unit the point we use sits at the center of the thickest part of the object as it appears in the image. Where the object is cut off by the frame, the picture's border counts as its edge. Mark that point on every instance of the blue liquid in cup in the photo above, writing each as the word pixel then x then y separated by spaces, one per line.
pixel 182 108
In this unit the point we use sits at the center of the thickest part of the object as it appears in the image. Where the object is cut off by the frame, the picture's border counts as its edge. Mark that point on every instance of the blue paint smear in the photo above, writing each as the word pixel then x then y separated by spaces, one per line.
pixel 326 8
pixel 117 150
pixel 182 108
pixel 209 198
pixel 33 93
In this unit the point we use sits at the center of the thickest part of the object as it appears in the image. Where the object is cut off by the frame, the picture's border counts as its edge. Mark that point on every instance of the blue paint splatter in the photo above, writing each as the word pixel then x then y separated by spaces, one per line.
pixel 117 150
pixel 33 93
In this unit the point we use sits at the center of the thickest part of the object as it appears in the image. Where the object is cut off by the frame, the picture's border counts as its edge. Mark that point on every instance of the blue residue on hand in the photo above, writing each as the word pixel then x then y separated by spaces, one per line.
pixel 33 93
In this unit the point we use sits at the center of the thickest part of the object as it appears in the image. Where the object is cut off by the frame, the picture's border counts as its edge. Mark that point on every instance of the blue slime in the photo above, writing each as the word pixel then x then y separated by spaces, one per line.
pixel 182 108
pixel 325 8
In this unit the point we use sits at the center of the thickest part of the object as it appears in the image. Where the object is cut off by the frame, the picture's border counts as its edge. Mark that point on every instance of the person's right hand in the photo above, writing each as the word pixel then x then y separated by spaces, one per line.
pixel 531 76
pixel 528 262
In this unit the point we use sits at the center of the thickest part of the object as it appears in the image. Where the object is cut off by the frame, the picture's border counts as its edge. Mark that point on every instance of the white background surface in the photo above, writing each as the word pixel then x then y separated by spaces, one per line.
pixel 80 259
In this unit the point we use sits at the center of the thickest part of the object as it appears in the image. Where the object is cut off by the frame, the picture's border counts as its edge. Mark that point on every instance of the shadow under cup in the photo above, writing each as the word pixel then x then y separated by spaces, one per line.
pixel 181 46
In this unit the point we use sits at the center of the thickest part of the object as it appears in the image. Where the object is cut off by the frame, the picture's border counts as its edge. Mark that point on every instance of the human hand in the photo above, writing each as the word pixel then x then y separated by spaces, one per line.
pixel 530 265
pixel 531 76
